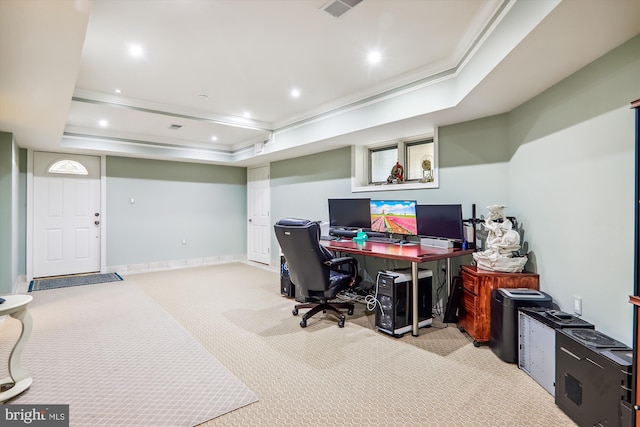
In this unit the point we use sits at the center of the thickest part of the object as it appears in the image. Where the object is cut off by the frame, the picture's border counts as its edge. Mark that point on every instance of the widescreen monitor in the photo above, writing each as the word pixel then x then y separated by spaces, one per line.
pixel 349 213
pixel 440 221
pixel 394 216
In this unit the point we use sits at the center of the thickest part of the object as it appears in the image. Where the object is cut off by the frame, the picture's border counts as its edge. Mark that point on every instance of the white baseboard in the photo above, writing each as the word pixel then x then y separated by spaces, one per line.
pixel 174 264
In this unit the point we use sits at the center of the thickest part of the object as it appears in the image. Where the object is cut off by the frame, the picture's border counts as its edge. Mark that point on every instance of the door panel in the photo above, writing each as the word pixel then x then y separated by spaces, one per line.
pixel 66 217
pixel 258 204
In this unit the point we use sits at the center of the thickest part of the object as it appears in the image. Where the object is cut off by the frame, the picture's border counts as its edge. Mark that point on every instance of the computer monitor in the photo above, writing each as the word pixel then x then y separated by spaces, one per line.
pixel 349 213
pixel 440 221
pixel 394 216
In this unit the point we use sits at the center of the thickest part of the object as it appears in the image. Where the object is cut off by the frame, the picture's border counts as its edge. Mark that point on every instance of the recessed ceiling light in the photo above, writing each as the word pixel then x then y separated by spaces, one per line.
pixel 118 91
pixel 214 138
pixel 203 97
pixel 135 50
pixel 374 57
pixel 247 115
pixel 295 92
pixel 103 123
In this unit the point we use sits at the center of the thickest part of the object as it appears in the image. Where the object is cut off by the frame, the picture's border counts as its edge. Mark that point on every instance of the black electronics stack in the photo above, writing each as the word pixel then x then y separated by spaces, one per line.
pixel 287 288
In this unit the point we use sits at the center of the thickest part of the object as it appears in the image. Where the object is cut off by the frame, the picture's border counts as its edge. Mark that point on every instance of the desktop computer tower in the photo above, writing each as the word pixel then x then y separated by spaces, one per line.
pixel 287 288
pixel 394 311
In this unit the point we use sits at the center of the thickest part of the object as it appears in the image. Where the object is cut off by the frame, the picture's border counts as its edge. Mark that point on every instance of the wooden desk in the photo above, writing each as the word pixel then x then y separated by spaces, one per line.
pixel 413 253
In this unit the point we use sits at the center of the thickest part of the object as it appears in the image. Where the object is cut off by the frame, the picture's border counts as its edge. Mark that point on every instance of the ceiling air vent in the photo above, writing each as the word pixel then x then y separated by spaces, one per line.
pixel 175 127
pixel 337 8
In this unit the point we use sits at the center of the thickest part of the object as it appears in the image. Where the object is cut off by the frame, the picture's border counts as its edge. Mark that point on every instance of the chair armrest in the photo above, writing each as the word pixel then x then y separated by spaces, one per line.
pixel 337 262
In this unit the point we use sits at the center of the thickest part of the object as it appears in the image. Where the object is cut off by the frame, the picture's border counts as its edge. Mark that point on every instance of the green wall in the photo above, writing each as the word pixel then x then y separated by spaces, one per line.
pixel 9 208
pixel 572 184
pixel 300 187
pixel 205 205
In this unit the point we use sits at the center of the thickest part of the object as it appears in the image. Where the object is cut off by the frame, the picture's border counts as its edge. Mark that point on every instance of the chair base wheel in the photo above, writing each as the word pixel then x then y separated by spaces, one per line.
pixel 325 308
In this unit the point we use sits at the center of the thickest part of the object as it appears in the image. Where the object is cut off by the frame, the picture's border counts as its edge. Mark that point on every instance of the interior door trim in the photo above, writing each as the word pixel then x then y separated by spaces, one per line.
pixel 29 224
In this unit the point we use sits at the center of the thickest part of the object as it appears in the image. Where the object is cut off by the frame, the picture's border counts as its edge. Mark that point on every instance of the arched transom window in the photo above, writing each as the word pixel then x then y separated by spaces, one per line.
pixel 67 166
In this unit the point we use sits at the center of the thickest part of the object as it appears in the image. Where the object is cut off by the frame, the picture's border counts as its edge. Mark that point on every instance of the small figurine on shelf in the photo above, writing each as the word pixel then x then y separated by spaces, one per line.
pixel 427 171
pixel 397 174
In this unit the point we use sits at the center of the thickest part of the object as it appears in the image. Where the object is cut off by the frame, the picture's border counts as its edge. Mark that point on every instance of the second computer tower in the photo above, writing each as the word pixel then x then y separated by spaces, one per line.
pixel 394 291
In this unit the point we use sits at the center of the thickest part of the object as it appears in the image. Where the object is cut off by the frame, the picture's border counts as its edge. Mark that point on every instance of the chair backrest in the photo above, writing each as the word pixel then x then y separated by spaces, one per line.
pixel 299 240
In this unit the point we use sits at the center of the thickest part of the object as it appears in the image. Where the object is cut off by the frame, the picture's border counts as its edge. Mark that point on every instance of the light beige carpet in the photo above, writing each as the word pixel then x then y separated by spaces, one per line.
pixel 118 358
pixel 324 375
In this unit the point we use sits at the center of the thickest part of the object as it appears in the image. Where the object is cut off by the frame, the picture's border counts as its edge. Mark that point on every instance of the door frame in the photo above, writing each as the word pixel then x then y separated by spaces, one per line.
pixel 249 235
pixel 103 210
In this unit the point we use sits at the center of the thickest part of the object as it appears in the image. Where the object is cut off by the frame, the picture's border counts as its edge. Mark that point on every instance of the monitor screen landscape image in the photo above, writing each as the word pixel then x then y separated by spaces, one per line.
pixel 394 216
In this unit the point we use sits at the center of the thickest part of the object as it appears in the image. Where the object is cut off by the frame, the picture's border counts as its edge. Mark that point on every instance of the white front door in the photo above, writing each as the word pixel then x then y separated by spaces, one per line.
pixel 258 206
pixel 66 214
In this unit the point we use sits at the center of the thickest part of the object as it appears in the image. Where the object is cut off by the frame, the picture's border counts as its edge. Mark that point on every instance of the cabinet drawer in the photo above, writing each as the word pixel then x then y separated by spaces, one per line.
pixel 469 282
pixel 467 320
pixel 469 303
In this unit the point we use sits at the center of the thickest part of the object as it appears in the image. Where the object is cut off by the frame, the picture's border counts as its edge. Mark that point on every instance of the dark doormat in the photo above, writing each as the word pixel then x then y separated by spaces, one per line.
pixel 65 282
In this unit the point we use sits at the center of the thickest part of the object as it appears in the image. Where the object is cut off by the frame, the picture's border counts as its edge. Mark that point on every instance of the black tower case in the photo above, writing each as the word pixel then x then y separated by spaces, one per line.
pixel 394 290
pixel 287 288
pixel 593 378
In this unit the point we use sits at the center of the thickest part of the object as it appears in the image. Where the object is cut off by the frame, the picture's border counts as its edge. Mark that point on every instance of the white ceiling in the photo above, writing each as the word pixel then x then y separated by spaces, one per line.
pixel 206 63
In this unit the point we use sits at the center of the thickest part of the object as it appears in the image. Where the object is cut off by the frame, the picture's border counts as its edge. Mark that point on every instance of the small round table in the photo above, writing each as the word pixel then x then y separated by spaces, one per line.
pixel 19 379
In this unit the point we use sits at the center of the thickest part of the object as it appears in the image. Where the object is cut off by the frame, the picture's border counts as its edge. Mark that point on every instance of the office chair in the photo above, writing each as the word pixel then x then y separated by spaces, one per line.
pixel 316 273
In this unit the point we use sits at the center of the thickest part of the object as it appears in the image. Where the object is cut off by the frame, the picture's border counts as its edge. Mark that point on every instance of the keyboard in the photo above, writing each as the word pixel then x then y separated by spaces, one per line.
pixel 379 239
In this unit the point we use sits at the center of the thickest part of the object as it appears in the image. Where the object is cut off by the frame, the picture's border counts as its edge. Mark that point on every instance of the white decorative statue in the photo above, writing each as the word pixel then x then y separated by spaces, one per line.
pixel 502 241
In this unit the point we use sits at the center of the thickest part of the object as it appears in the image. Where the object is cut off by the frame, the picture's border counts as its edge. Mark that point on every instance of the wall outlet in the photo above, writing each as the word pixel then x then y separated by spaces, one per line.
pixel 577 305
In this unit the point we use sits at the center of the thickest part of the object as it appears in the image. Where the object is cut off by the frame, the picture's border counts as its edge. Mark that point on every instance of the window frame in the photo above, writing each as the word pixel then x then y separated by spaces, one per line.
pixel 371 151
pixel 406 164
pixel 361 164
pixel 67 167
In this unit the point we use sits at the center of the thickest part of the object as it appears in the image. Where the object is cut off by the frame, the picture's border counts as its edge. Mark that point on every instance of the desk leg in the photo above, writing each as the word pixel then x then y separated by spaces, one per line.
pixel 414 292
pixel 19 379
pixel 448 278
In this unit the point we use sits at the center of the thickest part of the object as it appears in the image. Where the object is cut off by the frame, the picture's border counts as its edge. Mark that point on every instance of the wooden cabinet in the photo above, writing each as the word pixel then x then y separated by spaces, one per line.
pixel 474 315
